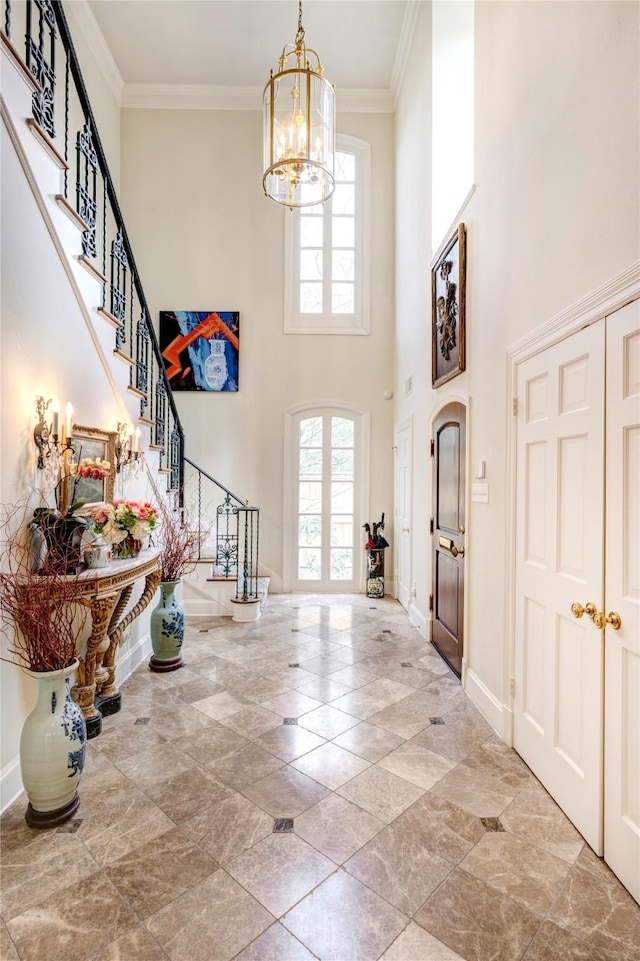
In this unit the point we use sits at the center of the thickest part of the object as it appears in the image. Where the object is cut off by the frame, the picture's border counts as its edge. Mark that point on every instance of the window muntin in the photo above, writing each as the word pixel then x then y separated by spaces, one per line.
pixel 327 257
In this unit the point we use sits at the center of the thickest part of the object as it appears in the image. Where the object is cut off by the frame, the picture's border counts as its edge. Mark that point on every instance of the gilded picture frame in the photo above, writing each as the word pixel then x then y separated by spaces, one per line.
pixel 93 443
pixel 448 309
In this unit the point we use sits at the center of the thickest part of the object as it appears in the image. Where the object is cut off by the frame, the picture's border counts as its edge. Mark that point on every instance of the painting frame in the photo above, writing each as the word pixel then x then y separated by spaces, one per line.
pixel 448 309
pixel 201 350
pixel 90 442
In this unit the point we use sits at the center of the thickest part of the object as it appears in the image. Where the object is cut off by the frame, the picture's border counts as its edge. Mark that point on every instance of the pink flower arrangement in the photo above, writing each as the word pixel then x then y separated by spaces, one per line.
pixel 94 469
pixel 120 519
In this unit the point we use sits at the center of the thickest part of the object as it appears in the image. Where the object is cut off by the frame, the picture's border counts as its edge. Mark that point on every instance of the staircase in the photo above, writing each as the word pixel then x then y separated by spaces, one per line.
pixel 50 122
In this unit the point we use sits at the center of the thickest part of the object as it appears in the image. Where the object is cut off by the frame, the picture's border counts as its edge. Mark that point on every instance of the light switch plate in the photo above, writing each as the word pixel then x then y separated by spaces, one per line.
pixel 480 493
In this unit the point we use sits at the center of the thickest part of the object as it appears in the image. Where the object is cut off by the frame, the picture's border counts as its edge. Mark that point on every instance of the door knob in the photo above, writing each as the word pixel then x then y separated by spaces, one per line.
pixel 461 529
pixel 600 620
pixel 405 530
pixel 457 551
pixel 578 610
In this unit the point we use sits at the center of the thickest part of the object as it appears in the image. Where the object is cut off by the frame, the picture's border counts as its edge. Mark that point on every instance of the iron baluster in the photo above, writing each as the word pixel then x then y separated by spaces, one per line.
pixel 66 127
pixel 174 459
pixel 161 419
pixel 104 239
pixel 119 266
pixel 86 187
pixel 142 360
pixel 42 101
pixel 7 19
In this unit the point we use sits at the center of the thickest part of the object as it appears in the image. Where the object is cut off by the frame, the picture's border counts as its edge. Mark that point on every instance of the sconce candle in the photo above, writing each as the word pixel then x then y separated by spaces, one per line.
pixel 69 414
pixel 55 410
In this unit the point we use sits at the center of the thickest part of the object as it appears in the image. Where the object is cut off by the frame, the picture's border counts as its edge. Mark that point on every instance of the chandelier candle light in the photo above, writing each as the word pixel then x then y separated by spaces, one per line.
pixel 299 128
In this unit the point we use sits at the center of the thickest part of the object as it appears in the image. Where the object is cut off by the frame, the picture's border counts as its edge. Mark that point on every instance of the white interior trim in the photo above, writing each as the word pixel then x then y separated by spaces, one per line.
pixel 404 48
pixel 94 36
pixel 167 96
pixel 609 297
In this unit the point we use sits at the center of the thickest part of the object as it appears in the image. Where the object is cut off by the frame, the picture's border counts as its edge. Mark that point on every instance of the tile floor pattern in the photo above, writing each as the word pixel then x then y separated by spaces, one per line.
pixel 416 836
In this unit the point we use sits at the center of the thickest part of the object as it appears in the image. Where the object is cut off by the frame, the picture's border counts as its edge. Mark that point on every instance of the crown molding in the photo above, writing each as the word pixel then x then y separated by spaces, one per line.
pixel 404 48
pixel 167 96
pixel 83 15
pixel 160 96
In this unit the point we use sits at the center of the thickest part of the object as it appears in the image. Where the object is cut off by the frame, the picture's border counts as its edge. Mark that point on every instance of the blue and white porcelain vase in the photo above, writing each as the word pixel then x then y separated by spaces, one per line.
pixel 167 630
pixel 52 750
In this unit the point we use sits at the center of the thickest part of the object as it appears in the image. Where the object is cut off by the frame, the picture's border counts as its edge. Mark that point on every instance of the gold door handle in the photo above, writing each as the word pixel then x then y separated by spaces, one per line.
pixel 578 610
pixel 457 551
pixel 600 620
pixel 405 530
pixel 461 529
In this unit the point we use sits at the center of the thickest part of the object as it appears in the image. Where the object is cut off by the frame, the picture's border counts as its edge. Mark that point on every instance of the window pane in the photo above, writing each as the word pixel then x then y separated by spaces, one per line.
pixel 344 199
pixel 341 531
pixel 343 264
pixel 311 298
pixel 311 464
pixel 341 564
pixel 308 564
pixel 342 298
pixel 345 168
pixel 310 530
pixel 342 465
pixel 311 231
pixel 341 497
pixel 342 432
pixel 310 497
pixel 343 232
pixel 311 432
pixel 311 265
pixel 307 193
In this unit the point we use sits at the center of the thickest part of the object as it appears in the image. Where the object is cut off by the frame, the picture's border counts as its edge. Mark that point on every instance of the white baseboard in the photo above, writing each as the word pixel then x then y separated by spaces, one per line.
pixel 206 607
pixel 129 660
pixel 10 783
pixel 418 619
pixel 488 705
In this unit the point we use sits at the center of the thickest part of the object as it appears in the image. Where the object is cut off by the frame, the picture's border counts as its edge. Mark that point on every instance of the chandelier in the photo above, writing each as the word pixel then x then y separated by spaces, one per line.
pixel 299 128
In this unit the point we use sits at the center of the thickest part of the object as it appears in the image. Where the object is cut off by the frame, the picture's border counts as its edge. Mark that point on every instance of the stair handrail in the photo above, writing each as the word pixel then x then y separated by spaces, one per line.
pixel 81 90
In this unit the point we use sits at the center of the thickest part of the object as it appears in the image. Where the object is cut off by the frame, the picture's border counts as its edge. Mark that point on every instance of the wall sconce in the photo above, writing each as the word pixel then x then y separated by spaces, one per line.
pixel 129 457
pixel 51 446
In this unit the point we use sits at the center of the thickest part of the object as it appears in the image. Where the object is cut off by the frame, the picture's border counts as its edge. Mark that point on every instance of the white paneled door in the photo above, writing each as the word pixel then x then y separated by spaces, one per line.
pixel 577 658
pixel 402 526
pixel 622 597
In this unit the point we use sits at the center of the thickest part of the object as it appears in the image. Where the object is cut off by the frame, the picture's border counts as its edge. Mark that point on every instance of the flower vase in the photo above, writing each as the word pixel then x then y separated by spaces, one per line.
pixel 52 750
pixel 167 630
pixel 129 547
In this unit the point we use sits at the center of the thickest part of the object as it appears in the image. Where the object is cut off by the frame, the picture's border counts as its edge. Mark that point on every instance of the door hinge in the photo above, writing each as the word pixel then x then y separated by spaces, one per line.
pixel 512 686
pixel 430 602
pixel 431 526
pixel 515 406
pixel 433 448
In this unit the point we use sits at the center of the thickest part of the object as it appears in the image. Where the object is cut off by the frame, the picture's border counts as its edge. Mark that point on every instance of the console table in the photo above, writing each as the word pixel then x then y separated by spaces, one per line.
pixel 107 594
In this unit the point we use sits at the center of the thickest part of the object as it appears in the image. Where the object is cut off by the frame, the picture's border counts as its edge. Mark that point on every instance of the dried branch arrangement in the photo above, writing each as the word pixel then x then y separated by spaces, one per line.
pixel 40 612
pixel 179 540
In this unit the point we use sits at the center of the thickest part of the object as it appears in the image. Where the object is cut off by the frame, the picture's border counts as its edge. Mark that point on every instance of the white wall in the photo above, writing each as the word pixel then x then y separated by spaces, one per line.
pixel 206 238
pixel 554 215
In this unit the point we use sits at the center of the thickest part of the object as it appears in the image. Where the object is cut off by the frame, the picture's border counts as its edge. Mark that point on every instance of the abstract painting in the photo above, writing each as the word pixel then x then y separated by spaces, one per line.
pixel 200 349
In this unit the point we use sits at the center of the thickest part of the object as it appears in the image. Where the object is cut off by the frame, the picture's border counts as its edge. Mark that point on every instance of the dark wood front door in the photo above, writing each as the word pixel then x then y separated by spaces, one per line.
pixel 448 452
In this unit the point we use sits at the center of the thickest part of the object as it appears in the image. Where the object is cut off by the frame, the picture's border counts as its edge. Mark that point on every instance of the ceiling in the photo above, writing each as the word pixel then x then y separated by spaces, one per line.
pixel 171 46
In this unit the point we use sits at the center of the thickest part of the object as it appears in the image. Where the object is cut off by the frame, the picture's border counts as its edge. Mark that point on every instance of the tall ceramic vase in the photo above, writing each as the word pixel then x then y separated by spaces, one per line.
pixel 52 750
pixel 167 630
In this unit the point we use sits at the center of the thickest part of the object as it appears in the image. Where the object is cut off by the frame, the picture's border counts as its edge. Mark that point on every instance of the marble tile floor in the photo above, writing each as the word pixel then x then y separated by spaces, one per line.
pixel 311 785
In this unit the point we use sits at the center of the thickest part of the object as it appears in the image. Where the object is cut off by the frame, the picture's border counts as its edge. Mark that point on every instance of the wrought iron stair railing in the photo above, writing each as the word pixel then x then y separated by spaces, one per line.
pixel 233 527
pixel 64 117
pixel 62 110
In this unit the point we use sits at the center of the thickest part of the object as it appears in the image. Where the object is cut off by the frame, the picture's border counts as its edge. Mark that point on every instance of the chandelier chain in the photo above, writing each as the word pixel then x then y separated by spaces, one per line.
pixel 300 33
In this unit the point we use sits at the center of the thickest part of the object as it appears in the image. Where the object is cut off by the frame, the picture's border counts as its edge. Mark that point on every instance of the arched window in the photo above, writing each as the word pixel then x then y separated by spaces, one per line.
pixel 327 251
pixel 327 449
